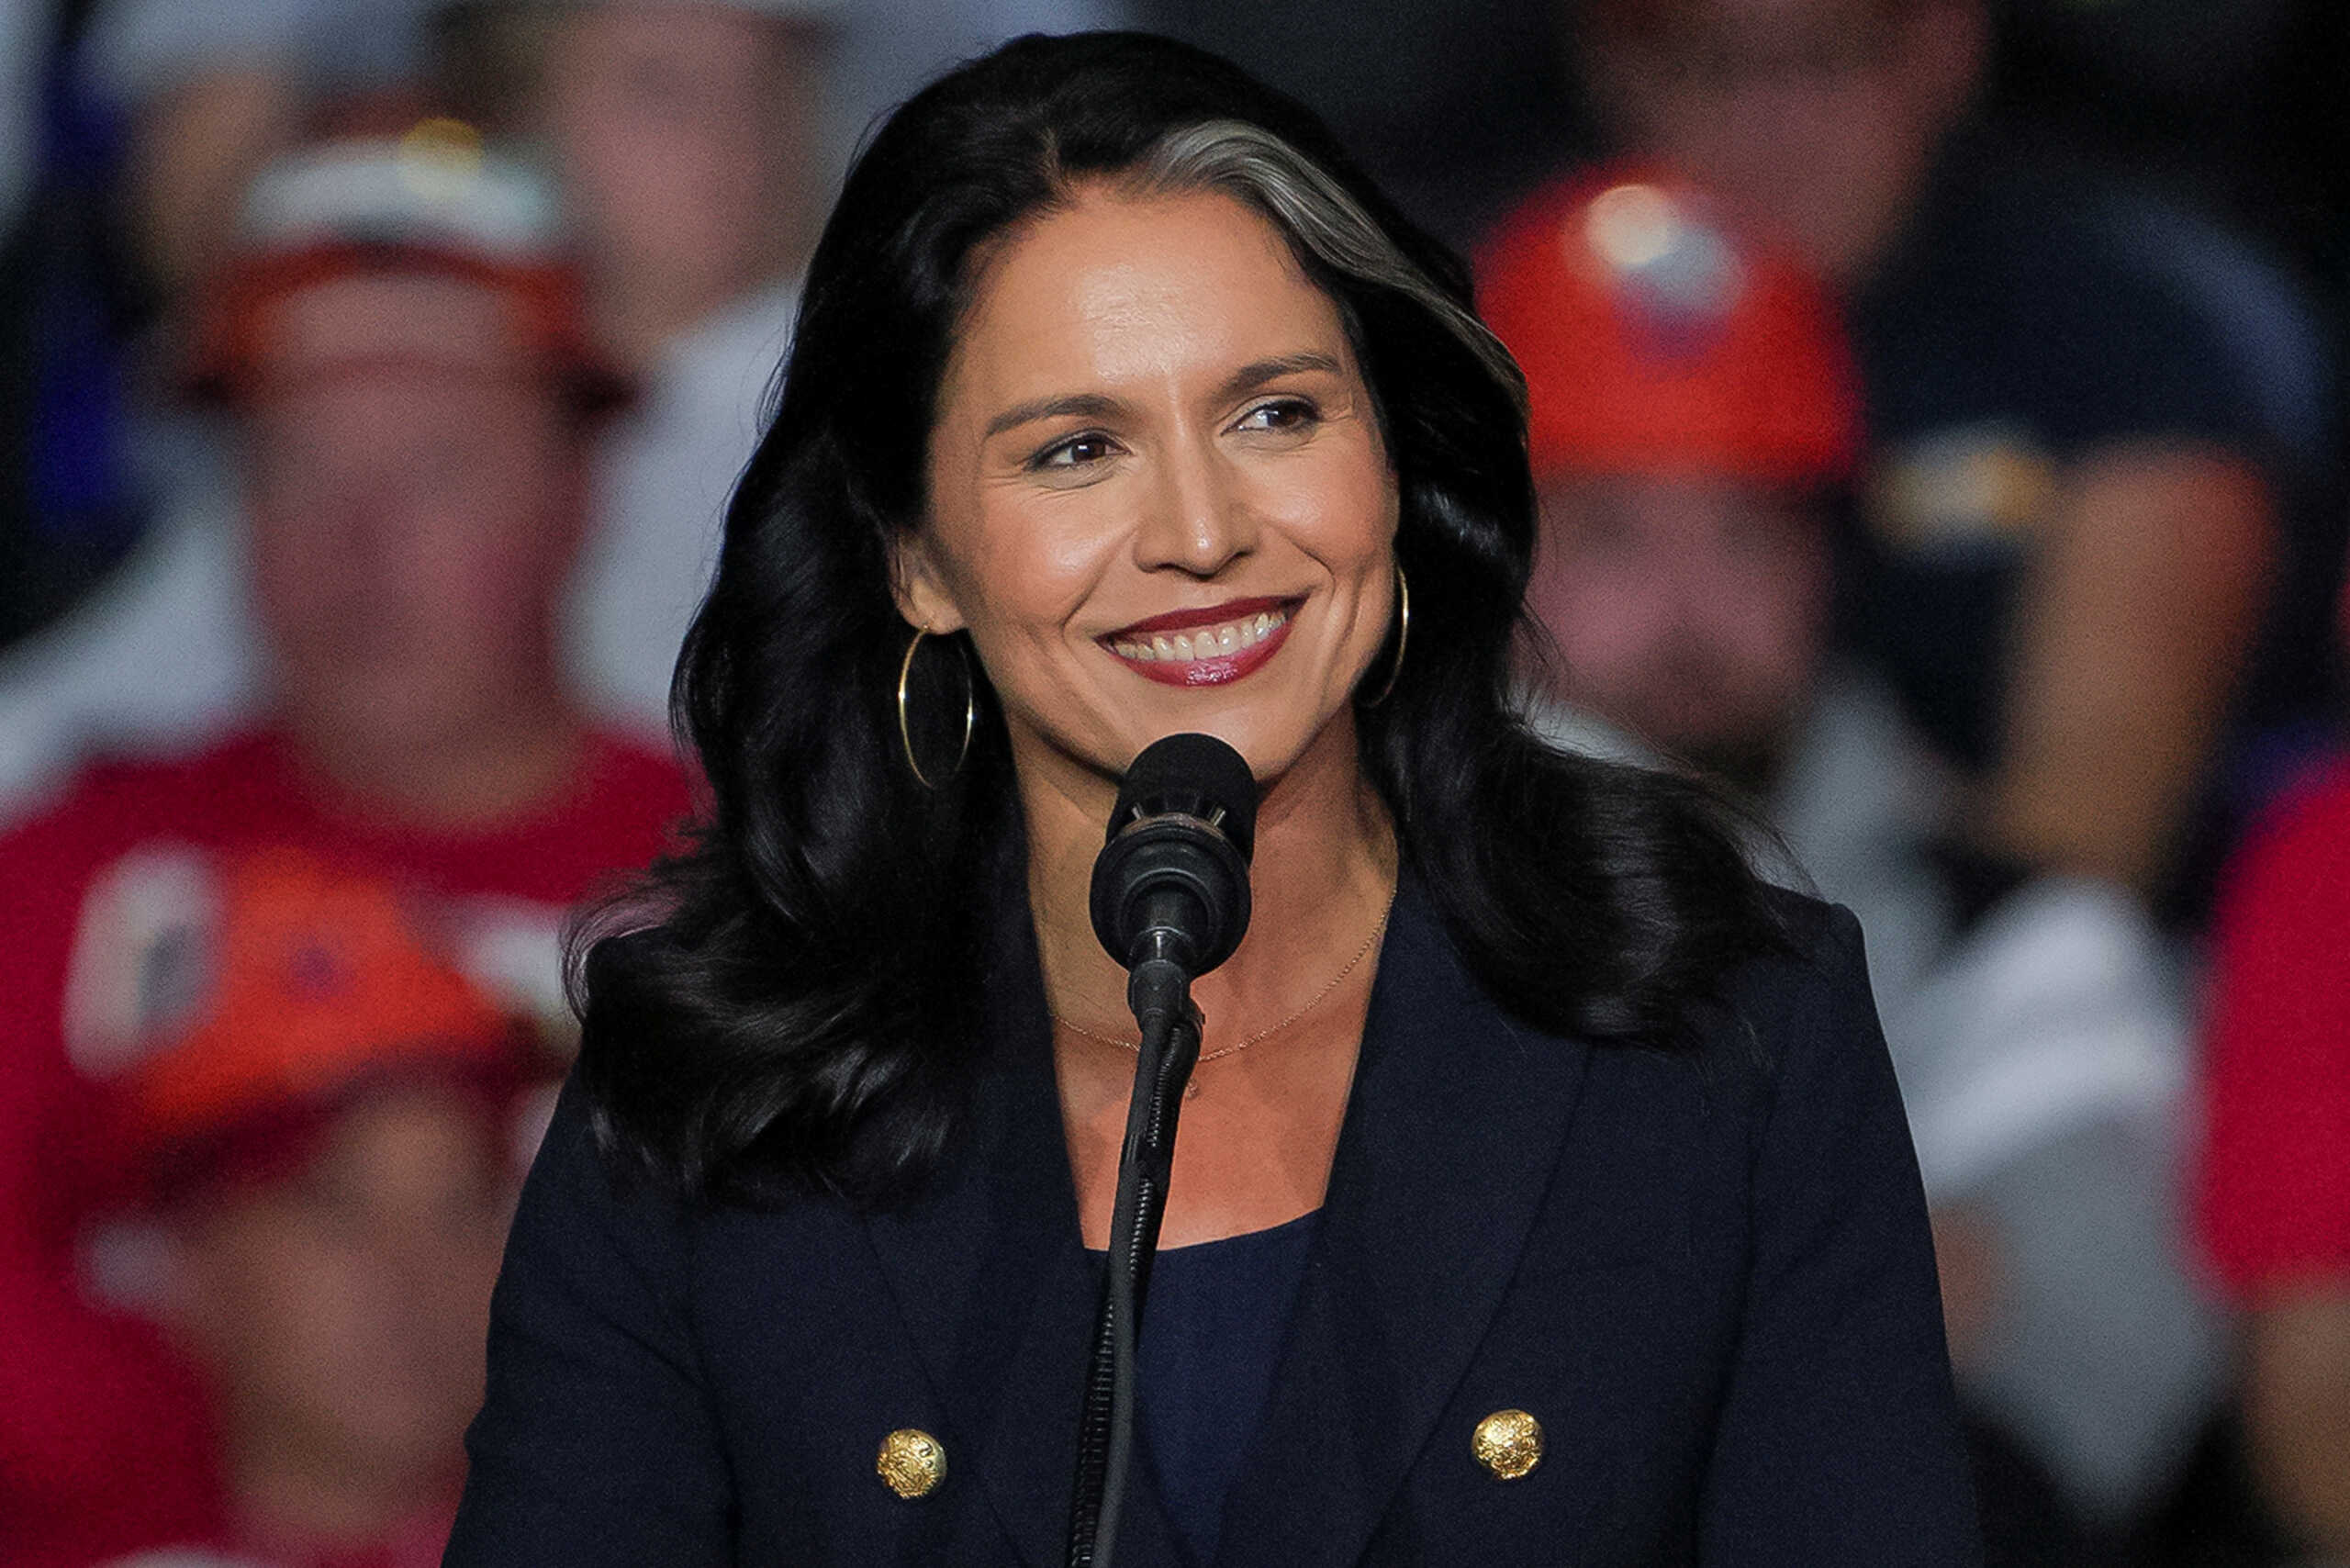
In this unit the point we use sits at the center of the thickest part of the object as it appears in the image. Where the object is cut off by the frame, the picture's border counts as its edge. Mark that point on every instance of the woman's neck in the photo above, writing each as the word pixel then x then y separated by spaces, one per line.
pixel 1320 880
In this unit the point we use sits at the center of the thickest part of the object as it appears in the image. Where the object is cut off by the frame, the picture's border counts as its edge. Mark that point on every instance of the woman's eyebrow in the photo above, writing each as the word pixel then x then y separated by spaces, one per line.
pixel 1258 372
pixel 1085 405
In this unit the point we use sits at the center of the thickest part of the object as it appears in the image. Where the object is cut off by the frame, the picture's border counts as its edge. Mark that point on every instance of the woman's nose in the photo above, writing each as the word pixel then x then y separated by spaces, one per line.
pixel 1197 518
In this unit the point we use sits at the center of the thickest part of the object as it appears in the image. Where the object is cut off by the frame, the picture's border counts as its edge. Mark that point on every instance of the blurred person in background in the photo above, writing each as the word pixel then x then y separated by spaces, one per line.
pixel 2274 1196
pixel 685 143
pixel 173 652
pixel 1695 428
pixel 2090 413
pixel 1695 432
pixel 414 402
pixel 689 139
pixel 688 135
pixel 179 106
pixel 326 1119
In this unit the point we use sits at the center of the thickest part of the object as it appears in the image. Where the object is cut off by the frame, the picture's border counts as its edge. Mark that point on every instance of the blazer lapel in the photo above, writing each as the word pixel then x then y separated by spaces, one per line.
pixel 1453 1128
pixel 990 1273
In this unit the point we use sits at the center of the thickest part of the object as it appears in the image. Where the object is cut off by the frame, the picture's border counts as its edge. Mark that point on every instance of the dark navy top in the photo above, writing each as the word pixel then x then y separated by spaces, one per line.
pixel 1211 1332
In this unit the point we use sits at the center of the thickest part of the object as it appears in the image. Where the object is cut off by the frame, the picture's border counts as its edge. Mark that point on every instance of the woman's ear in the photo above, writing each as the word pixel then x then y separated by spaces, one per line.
pixel 919 587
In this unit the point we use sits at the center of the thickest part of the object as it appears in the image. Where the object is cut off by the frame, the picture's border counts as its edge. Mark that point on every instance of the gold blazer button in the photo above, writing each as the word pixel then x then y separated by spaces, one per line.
pixel 1508 1443
pixel 913 1462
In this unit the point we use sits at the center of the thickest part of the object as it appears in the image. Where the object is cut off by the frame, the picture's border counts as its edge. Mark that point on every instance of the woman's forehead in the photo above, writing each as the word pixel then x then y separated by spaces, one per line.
pixel 1119 288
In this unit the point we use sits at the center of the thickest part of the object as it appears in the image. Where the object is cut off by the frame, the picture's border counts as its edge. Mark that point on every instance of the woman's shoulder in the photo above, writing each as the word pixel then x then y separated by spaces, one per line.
pixel 1818 952
pixel 1800 1008
pixel 1794 1036
pixel 584 1196
pixel 1771 1110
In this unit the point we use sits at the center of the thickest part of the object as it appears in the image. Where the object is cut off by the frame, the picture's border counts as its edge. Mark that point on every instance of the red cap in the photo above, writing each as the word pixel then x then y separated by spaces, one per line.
pixel 1656 337
pixel 426 248
pixel 295 988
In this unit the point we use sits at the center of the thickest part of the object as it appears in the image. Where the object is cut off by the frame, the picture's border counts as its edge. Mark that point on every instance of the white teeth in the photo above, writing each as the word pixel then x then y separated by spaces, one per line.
pixel 1208 641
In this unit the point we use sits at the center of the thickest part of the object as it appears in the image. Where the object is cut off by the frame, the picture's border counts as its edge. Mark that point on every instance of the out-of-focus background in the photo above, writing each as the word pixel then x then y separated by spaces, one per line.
pixel 1936 415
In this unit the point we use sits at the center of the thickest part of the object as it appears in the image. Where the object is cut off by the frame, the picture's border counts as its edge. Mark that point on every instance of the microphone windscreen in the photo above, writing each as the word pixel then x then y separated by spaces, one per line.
pixel 1198 776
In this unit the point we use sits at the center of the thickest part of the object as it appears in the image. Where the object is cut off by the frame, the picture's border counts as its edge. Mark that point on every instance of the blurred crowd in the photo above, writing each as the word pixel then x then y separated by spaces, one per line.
pixel 1936 417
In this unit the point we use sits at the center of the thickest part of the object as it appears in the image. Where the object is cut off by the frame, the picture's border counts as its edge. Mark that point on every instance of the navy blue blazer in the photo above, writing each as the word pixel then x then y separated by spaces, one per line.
pixel 1706 1275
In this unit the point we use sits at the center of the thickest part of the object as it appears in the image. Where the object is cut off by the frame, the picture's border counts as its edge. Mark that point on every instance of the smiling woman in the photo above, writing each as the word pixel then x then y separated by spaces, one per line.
pixel 1529 1122
pixel 1123 483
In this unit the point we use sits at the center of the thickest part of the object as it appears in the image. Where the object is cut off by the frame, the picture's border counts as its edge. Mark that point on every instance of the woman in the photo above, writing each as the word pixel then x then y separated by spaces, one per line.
pixel 1546 1188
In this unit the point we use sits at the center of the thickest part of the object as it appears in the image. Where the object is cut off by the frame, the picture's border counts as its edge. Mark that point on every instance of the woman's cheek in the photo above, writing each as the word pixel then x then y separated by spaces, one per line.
pixel 1040 560
pixel 1346 498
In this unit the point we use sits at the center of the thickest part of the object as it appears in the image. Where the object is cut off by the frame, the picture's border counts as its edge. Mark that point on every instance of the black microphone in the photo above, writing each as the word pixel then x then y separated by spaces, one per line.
pixel 1170 903
pixel 1170 886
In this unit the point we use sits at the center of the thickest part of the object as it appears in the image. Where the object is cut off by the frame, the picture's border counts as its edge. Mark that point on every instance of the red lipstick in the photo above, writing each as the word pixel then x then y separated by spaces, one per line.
pixel 1214 645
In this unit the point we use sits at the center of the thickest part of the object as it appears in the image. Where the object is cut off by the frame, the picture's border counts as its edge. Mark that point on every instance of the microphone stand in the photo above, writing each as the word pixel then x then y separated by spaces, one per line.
pixel 1159 989
pixel 1169 901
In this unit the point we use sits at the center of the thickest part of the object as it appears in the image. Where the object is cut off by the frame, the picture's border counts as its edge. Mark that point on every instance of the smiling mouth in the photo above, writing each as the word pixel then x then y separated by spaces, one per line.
pixel 1207 647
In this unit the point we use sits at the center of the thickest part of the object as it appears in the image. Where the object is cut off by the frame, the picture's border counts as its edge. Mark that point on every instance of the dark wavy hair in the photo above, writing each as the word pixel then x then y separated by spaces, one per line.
pixel 789 1004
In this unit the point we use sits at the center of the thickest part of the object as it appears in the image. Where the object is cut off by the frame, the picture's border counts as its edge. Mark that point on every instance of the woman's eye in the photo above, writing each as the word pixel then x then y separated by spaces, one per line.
pixel 1284 414
pixel 1076 452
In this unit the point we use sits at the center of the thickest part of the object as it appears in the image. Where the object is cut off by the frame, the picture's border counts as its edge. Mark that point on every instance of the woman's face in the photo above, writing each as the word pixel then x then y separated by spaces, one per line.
pixel 1159 499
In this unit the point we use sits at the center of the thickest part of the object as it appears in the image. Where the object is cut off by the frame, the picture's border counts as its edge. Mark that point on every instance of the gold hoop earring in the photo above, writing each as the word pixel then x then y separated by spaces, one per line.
pixel 905 730
pixel 1403 635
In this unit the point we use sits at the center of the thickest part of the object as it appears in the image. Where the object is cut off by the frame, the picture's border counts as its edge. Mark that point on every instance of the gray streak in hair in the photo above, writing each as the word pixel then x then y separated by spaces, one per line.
pixel 1259 168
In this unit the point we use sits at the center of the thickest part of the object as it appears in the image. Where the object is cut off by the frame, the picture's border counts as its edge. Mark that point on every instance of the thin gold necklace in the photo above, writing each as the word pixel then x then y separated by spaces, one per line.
pixel 1193 1088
